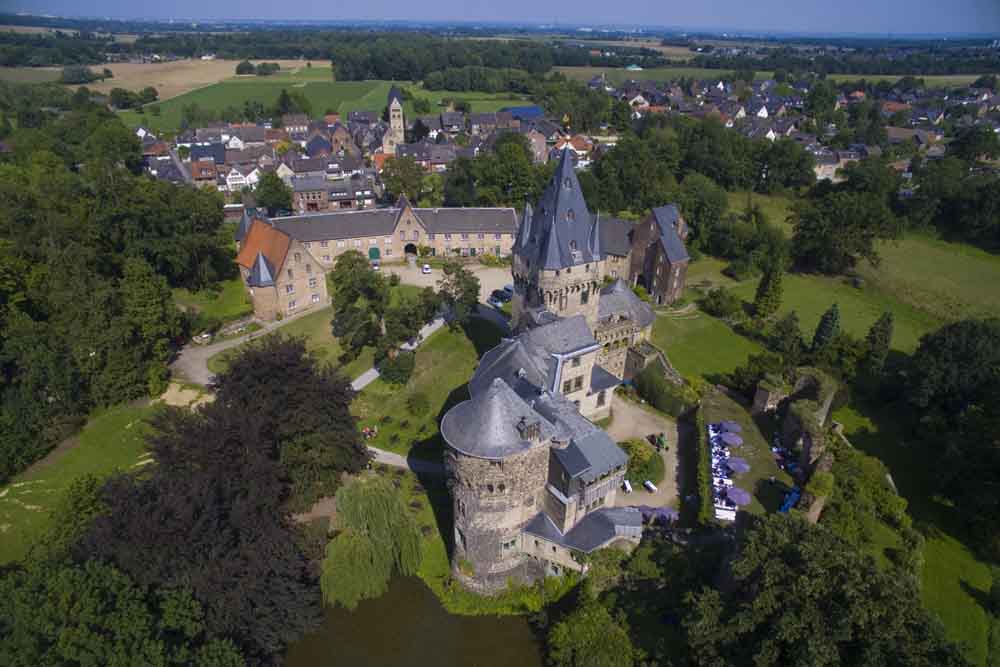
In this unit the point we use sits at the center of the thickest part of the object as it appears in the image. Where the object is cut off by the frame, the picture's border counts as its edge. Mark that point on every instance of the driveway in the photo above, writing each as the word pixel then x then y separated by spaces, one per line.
pixel 490 278
pixel 192 362
pixel 631 420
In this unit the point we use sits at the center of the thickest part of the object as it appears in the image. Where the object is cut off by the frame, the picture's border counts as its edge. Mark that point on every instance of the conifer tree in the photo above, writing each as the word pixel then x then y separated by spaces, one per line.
pixel 877 342
pixel 827 329
pixel 786 338
pixel 768 298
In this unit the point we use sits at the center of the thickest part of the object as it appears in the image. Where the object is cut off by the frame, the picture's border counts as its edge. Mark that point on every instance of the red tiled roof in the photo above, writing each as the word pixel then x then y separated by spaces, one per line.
pixel 263 238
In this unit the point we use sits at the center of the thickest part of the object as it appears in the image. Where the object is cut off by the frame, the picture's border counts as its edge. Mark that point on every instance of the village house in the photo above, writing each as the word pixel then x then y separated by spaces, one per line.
pixel 281 275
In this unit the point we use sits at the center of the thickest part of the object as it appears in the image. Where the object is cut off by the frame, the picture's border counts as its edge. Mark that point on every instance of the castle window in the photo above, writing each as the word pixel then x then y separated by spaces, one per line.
pixel 489 488
pixel 326 258
pixel 567 386
pixel 576 362
pixel 289 274
pixel 309 268
pixel 578 383
pixel 324 244
pixel 600 399
pixel 502 488
pixel 584 297
pixel 312 282
pixel 298 257
pixel 510 544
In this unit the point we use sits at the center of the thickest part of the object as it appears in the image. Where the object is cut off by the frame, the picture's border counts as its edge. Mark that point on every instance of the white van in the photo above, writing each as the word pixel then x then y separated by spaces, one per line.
pixel 649 486
pixel 628 486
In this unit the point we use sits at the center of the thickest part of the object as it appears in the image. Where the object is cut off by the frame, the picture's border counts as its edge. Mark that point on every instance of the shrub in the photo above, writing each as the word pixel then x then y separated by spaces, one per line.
pixel 820 484
pixel 394 280
pixel 663 394
pixel 720 302
pixel 399 369
pixel 418 403
pixel 703 479
pixel 643 462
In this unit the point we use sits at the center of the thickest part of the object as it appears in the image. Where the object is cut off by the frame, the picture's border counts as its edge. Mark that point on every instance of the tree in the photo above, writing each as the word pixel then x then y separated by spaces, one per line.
pixel 431 191
pixel 148 94
pixel 803 596
pixel 827 329
pixel 245 67
pixel 458 289
pixel 877 343
pixel 273 194
pixel 301 411
pixel 955 366
pixel 76 74
pixel 403 177
pixel 379 538
pixel 590 637
pixel 148 306
pixel 360 297
pixel 821 100
pixel 975 143
pixel 767 300
pixel 421 105
pixel 703 203
pixel 837 230
pixel 786 338
pixel 95 614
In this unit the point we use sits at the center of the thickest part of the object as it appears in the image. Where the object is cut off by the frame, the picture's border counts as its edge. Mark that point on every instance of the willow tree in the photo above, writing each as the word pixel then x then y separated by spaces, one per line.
pixel 378 538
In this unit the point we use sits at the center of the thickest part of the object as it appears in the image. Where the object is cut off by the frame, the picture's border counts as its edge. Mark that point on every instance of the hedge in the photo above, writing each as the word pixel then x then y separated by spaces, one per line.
pixel 662 394
pixel 706 506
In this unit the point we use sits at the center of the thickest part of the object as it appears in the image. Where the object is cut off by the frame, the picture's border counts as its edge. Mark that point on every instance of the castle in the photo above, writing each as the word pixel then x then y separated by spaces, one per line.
pixel 534 482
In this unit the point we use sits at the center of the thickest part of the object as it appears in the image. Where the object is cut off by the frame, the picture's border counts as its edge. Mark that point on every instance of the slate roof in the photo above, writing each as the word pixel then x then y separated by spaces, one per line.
pixel 527 369
pixel 561 232
pixel 615 237
pixel 394 94
pixel 246 220
pixel 564 336
pixel 594 530
pixel 666 219
pixel 486 426
pixel 382 221
pixel 526 112
pixel 600 379
pixel 215 151
pixel 618 300
pixel 309 183
pixel 261 273
pixel 306 165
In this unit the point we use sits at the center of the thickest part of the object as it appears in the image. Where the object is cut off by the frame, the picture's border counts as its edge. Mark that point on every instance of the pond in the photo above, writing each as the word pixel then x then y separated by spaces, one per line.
pixel 408 626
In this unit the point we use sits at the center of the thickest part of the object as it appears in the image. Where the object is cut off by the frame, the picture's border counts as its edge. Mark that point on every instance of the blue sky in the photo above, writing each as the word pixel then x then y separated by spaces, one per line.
pixel 854 16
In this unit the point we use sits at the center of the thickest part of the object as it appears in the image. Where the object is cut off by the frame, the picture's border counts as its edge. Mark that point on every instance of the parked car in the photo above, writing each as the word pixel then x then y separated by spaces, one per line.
pixel 649 486
pixel 202 338
pixel 426 268
pixel 375 266
pixel 509 289
pixel 495 302
pixel 628 486
pixel 500 295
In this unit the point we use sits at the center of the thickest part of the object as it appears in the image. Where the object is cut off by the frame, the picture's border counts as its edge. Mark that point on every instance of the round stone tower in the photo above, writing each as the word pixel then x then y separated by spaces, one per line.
pixel 497 466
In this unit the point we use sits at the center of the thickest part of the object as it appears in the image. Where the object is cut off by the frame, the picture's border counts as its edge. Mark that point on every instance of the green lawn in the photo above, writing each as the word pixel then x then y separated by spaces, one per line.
pixel 444 364
pixel 777 208
pixel 112 439
pixel 228 302
pixel 949 280
pixel 318 86
pixel 952 577
pixel 755 449
pixel 315 328
pixel 700 345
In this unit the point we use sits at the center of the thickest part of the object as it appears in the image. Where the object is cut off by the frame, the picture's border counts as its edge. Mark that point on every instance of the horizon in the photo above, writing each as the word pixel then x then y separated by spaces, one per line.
pixel 894 19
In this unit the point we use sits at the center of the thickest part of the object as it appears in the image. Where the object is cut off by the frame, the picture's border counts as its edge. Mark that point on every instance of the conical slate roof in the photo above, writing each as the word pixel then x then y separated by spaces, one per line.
pixel 487 425
pixel 262 273
pixel 561 231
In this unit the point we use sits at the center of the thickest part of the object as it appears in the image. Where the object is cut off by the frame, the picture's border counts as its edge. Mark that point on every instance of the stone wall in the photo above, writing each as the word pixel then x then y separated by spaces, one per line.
pixel 493 500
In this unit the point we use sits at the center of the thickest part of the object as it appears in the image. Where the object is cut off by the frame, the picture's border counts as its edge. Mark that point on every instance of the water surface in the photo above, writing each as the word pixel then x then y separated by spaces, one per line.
pixel 408 627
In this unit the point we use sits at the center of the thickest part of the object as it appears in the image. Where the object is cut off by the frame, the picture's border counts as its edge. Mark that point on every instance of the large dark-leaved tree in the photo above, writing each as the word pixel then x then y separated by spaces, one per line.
pixel 836 231
pixel 273 194
pixel 801 595
pixel 301 411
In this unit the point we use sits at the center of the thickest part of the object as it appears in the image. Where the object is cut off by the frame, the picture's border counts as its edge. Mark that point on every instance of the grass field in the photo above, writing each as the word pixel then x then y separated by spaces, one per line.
pixel 30 74
pixel 931 80
pixel 229 302
pixel 317 85
pixel 112 439
pixel 444 364
pixel 777 208
pixel 952 577
pixel 700 345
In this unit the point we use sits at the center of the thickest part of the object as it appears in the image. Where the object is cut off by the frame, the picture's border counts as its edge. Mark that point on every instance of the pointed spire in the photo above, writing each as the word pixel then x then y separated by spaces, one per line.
pixel 524 233
pixel 261 274
pixel 402 202
pixel 595 237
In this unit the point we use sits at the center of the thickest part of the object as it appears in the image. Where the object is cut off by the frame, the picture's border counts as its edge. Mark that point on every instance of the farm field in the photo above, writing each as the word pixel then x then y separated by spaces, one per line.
pixel 617 75
pixel 176 77
pixel 30 74
pixel 317 85
pixel 932 80
pixel 112 439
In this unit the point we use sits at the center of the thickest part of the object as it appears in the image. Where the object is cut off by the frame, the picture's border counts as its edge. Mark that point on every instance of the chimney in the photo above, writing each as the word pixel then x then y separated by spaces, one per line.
pixel 530 431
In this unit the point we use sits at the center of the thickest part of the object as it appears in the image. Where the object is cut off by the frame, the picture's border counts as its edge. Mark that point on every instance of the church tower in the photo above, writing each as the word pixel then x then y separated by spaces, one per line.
pixel 395 136
pixel 558 264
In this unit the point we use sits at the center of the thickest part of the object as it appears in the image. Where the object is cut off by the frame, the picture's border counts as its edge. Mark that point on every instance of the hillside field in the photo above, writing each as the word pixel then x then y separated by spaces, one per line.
pixel 318 86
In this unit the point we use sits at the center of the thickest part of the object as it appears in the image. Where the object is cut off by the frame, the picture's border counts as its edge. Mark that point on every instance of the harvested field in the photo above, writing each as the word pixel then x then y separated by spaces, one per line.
pixel 30 74
pixel 177 77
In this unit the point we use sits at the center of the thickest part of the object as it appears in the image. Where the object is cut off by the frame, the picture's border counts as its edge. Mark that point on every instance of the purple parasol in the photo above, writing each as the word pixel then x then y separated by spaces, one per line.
pixel 731 439
pixel 738 495
pixel 731 427
pixel 736 464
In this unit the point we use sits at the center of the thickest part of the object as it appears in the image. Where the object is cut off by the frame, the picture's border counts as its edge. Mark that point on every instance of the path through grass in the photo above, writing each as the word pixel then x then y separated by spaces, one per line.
pixel 112 439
